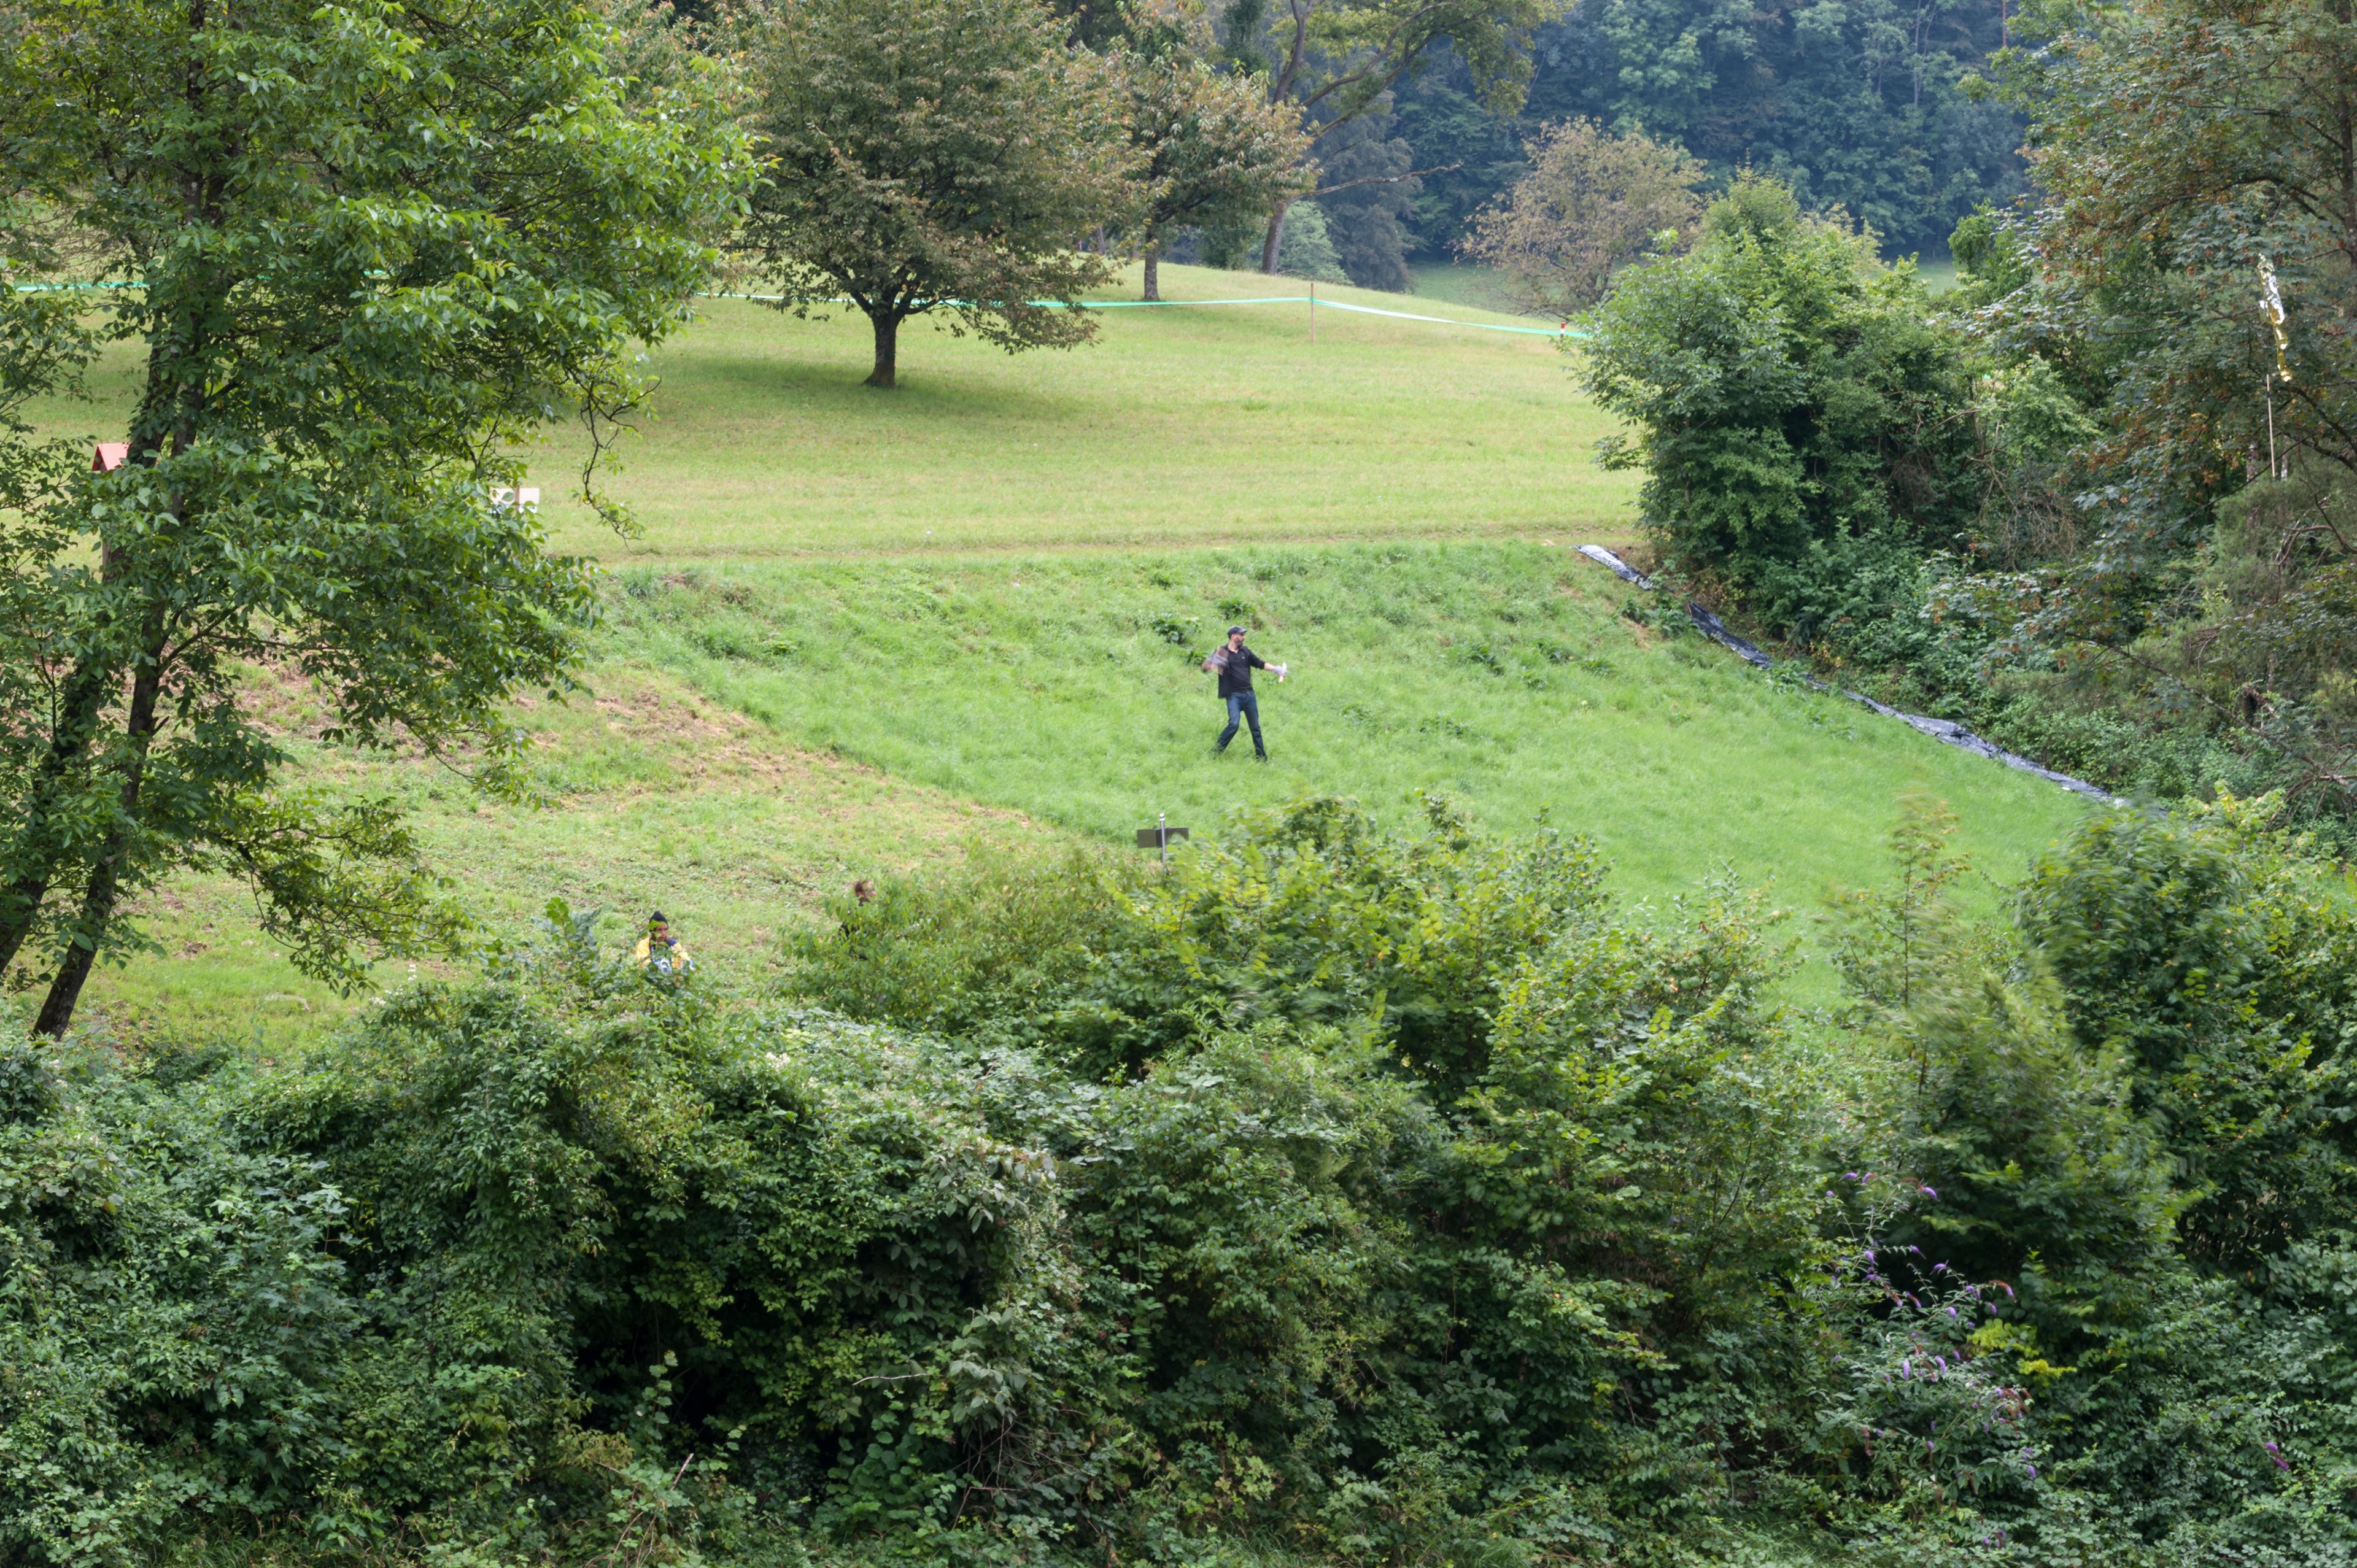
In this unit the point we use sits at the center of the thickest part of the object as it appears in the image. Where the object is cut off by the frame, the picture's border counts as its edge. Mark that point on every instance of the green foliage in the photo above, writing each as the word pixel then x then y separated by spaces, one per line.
pixel 1213 152
pixel 1307 249
pixel 2124 1118
pixel 2224 969
pixel 946 160
pixel 1796 413
pixel 374 254
pixel 1006 939
pixel 1454 1216
pixel 1344 56
pixel 1336 62
pixel 1241 1199
pixel 174 1311
pixel 1591 204
pixel 1313 917
pixel 1873 107
pixel 2164 541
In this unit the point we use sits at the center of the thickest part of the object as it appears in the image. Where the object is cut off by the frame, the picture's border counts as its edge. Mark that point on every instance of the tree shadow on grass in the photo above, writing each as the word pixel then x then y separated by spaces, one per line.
pixel 928 394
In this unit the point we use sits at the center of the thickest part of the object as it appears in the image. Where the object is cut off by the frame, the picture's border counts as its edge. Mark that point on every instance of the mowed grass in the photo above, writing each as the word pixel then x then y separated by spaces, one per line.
pixel 862 630
pixel 1181 424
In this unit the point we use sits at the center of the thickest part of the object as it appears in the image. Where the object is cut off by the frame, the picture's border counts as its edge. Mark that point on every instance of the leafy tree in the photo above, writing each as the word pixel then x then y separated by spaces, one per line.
pixel 1869 105
pixel 2009 1149
pixel 1797 412
pixel 1368 179
pixel 2223 968
pixel 1592 202
pixel 2190 151
pixel 1309 250
pixel 936 156
pixel 1339 61
pixel 1212 148
pixel 374 251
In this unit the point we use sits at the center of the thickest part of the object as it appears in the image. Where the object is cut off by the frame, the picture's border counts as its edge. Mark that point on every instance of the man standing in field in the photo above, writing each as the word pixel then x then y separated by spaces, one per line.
pixel 1235 665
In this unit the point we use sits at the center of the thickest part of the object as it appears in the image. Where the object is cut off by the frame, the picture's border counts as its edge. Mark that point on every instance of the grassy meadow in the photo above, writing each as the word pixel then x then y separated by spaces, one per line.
pixel 1068 687
pixel 1210 424
pixel 1458 282
pixel 860 631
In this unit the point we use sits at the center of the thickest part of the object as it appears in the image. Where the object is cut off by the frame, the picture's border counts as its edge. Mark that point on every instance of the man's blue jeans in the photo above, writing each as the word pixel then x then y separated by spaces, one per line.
pixel 1247 706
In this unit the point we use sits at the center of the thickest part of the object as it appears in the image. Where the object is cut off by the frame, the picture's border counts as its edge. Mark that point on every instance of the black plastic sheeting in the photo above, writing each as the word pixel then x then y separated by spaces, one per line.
pixel 1945 730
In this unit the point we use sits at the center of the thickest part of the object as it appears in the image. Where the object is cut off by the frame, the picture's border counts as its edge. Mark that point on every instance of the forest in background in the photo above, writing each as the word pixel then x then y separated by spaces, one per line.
pixel 1871 107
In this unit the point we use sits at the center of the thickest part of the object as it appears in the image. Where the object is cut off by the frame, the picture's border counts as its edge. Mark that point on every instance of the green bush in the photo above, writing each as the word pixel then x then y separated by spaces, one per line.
pixel 2224 966
pixel 173 1316
pixel 1307 914
pixel 1799 414
pixel 1421 1207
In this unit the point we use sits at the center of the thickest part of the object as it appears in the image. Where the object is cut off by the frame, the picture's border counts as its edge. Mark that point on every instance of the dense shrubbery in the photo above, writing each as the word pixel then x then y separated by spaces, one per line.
pixel 1798 416
pixel 1332 1193
pixel 2101 502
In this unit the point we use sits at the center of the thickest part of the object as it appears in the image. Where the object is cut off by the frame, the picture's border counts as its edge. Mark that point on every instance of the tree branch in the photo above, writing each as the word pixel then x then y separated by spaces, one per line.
pixel 1382 179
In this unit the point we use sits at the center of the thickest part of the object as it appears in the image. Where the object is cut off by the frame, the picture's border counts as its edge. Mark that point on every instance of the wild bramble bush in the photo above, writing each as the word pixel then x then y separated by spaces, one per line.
pixel 1333 1196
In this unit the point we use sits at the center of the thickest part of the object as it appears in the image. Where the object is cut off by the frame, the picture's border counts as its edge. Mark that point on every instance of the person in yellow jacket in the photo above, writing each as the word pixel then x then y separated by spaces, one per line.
pixel 659 951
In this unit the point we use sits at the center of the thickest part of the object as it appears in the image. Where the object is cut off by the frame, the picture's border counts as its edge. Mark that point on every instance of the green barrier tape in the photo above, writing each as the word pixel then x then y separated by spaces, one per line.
pixel 1154 304
pixel 60 287
pixel 1452 321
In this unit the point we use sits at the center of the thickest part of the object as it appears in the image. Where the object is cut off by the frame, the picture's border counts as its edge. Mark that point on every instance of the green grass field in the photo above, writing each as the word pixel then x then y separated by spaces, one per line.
pixel 1181 424
pixel 1458 282
pixel 860 631
pixel 1501 673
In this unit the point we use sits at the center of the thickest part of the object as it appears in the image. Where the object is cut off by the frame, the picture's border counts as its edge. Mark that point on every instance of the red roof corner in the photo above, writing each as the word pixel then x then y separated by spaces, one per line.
pixel 109 457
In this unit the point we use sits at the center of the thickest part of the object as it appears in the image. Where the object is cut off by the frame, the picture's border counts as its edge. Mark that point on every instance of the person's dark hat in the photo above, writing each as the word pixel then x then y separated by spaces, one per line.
pixel 1235 632
pixel 657 919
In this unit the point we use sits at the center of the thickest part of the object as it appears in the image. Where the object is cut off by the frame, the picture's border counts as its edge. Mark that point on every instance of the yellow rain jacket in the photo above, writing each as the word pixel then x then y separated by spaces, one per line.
pixel 671 959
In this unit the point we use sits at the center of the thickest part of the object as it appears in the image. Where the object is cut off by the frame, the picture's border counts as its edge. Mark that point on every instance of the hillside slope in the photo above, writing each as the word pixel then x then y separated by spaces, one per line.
pixel 858 628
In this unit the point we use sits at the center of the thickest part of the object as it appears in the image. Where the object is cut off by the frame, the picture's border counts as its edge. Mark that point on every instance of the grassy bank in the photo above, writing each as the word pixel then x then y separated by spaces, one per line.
pixel 652 796
pixel 861 629
pixel 1067 687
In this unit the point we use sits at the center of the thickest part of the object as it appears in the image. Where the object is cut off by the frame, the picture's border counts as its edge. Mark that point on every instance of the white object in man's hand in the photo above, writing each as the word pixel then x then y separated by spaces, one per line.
pixel 1280 672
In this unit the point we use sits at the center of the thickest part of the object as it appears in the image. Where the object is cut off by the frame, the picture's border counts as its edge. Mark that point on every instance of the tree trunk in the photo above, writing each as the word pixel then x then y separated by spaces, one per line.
pixel 20 906
pixel 106 874
pixel 97 905
pixel 1152 273
pixel 1274 238
pixel 887 347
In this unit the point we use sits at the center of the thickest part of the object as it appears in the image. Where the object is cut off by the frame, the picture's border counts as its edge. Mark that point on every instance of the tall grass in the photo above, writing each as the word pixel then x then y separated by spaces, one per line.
pixel 1502 674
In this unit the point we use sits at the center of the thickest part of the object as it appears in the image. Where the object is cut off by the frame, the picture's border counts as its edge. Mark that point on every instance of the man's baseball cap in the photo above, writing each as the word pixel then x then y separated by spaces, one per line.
pixel 1235 630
